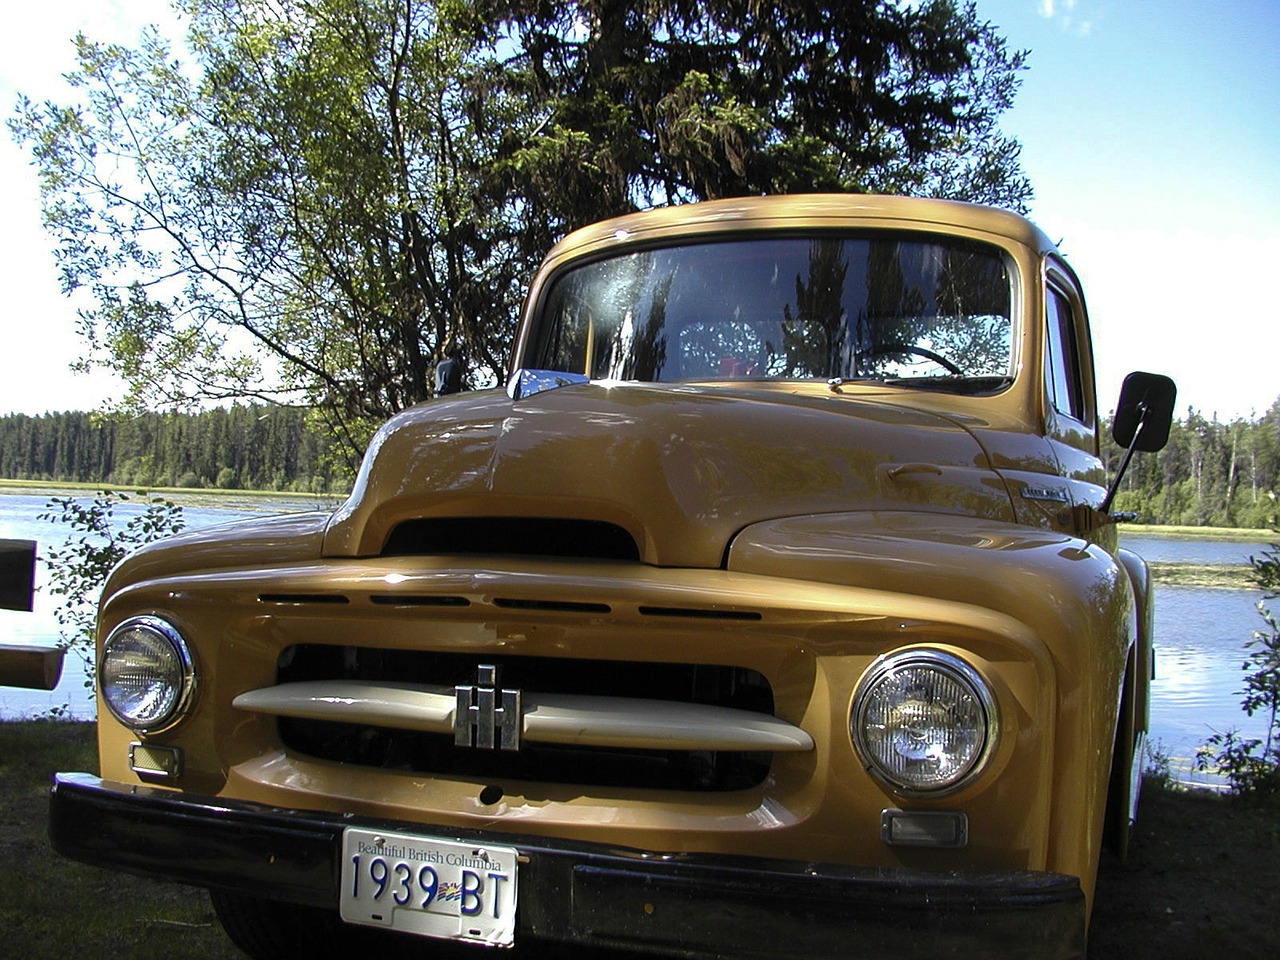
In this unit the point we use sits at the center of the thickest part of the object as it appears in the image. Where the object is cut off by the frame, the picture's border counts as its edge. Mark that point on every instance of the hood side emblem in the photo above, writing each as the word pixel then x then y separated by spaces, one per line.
pixel 487 717
pixel 1050 494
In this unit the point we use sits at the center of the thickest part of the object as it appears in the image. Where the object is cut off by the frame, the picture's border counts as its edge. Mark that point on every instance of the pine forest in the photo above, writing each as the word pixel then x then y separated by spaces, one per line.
pixel 251 447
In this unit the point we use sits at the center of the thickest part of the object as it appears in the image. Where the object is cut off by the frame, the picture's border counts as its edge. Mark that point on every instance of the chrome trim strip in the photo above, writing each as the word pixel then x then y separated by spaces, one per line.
pixel 621 722
pixel 655 724
pixel 381 704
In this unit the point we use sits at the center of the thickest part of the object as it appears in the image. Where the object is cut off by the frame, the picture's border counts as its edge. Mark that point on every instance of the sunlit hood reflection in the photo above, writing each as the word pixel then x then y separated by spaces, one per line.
pixel 681 468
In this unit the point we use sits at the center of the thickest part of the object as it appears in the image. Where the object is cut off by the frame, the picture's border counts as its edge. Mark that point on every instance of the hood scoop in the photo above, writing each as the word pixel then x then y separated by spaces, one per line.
pixel 511 536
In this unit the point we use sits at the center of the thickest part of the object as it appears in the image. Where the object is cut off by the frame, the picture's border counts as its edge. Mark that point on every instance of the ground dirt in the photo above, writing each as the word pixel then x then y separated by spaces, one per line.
pixel 1202 880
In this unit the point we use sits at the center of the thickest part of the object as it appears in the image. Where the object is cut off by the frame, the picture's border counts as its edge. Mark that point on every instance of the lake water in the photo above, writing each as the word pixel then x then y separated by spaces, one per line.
pixel 1169 549
pixel 1200 635
pixel 1200 631
pixel 19 520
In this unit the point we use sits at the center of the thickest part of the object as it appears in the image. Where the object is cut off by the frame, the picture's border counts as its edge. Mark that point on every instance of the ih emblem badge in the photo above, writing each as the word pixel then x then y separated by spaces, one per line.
pixel 487 717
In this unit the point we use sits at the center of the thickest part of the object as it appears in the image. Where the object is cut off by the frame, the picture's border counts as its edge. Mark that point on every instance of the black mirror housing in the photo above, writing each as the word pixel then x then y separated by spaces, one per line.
pixel 1143 418
pixel 1145 412
pixel 448 377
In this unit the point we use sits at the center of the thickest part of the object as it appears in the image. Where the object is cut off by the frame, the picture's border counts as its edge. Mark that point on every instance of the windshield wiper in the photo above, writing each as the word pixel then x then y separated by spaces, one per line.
pixel 951 383
pixel 947 382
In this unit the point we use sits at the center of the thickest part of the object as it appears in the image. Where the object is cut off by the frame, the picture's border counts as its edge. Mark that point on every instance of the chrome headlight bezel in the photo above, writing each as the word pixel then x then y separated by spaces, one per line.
pixel 958 690
pixel 164 656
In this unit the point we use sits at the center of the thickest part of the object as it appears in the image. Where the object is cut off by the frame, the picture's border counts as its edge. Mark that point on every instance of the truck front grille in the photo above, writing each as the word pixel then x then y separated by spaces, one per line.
pixel 435 753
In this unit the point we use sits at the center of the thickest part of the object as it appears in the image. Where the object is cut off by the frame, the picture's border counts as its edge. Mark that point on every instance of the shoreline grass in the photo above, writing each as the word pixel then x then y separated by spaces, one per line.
pixel 182 496
pixel 1224 576
pixel 1258 534
pixel 54 487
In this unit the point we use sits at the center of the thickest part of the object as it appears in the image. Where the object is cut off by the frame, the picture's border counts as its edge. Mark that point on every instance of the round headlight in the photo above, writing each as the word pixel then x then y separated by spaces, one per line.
pixel 923 721
pixel 146 674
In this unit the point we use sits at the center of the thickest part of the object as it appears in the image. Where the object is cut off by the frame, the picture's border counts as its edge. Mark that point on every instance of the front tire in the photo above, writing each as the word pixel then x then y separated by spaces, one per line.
pixel 270 930
pixel 1121 796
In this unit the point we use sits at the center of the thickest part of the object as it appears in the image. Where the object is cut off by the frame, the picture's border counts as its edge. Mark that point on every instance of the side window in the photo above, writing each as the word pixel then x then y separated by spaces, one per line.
pixel 1062 369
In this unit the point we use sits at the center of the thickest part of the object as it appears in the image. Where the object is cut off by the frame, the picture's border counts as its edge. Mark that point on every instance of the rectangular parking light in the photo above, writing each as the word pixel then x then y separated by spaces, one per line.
pixel 924 828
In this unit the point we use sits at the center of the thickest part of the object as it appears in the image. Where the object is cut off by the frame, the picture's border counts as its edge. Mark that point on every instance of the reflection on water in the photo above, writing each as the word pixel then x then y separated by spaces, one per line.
pixel 1200 648
pixel 1201 634
pixel 1200 631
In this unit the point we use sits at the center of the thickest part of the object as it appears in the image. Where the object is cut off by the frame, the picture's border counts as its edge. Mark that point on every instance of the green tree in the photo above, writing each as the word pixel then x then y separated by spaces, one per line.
pixel 631 104
pixel 289 216
pixel 320 199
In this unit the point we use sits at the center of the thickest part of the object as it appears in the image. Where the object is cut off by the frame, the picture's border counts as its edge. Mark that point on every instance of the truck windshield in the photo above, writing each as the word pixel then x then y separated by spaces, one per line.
pixel 885 306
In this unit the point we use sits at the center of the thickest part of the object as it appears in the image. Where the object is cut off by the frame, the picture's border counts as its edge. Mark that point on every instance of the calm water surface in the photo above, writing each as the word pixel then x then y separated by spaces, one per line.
pixel 1200 632
pixel 1183 550
pixel 19 520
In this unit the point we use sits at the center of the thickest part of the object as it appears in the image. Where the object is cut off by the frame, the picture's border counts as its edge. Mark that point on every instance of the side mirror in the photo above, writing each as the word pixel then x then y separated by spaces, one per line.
pixel 1145 412
pixel 1143 418
pixel 448 377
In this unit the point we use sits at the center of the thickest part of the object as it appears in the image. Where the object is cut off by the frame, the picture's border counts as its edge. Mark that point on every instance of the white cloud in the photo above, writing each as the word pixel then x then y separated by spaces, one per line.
pixel 1063 12
pixel 1191 303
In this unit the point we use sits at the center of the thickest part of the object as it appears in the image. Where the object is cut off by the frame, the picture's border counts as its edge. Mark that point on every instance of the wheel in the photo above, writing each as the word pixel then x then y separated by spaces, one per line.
pixel 1121 796
pixel 270 930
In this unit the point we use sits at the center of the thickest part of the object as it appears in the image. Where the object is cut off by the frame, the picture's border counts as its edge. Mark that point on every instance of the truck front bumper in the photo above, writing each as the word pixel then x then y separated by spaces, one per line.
pixel 685 905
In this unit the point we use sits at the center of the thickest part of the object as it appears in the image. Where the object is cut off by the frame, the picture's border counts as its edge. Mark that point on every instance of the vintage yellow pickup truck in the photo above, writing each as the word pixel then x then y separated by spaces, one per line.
pixel 772 609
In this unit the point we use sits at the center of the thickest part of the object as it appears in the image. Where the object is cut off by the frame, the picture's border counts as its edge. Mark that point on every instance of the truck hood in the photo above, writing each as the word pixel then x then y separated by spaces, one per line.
pixel 680 468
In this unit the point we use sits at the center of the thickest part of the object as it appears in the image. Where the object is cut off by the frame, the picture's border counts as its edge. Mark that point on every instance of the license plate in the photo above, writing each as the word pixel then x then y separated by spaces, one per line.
pixel 429 887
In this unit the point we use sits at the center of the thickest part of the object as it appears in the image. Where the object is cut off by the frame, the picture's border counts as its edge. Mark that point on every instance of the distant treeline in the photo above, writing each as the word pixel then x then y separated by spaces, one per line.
pixel 241 447
pixel 1210 474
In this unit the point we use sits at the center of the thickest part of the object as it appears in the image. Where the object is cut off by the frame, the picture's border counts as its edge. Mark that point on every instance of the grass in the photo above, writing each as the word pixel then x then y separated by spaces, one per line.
pixel 1260 534
pixel 1227 575
pixel 1202 878
pixel 194 496
pixel 51 907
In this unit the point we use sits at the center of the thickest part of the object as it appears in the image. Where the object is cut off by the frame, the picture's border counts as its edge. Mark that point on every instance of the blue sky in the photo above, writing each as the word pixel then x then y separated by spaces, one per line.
pixel 1150 130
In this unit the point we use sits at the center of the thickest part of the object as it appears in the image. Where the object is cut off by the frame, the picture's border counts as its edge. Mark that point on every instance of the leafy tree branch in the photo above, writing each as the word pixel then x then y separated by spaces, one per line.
pixel 316 201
